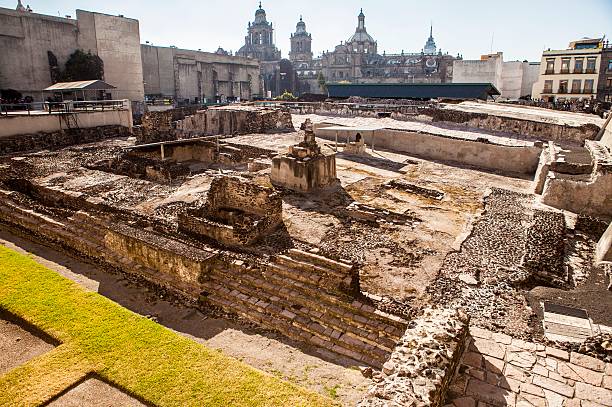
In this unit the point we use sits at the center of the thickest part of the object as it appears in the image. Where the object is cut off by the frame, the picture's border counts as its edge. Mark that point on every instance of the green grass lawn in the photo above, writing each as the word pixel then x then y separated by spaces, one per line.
pixel 135 354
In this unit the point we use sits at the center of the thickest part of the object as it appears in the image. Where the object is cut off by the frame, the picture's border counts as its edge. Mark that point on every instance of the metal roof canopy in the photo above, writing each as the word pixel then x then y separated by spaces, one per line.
pixel 79 85
pixel 413 90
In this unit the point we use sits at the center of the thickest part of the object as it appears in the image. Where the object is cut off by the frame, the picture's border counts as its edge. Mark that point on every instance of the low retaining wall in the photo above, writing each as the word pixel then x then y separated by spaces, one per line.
pixel 537 129
pixel 15 125
pixel 481 154
pixel 59 139
pixel 423 364
pixel 397 112
pixel 181 264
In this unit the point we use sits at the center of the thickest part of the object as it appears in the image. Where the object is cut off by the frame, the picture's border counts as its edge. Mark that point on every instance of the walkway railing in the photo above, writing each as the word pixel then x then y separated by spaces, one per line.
pixel 62 107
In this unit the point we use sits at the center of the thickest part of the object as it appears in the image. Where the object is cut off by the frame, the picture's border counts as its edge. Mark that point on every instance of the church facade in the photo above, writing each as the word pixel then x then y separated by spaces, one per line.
pixel 355 60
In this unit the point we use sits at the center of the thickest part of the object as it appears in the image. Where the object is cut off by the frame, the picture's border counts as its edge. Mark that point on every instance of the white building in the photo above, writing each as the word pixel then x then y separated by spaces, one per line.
pixel 570 73
pixel 513 79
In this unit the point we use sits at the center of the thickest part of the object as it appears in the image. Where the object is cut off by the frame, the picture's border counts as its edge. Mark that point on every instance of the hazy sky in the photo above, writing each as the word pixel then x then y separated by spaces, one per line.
pixel 519 28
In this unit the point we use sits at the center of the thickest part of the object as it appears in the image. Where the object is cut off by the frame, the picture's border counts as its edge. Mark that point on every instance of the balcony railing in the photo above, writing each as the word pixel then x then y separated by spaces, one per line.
pixel 546 90
pixel 578 70
pixel 549 72
pixel 562 90
pixel 590 70
pixel 564 71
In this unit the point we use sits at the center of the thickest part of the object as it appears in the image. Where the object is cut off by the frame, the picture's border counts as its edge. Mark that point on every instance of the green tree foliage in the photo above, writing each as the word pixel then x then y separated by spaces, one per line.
pixel 83 66
pixel 287 96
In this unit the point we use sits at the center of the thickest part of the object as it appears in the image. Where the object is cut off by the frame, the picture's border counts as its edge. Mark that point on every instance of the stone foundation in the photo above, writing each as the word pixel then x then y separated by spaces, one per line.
pixel 304 168
pixel 239 119
pixel 64 138
pixel 236 213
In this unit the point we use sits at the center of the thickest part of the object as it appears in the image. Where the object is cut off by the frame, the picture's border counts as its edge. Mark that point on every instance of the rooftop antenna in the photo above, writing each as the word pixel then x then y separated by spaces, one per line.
pixel 492 38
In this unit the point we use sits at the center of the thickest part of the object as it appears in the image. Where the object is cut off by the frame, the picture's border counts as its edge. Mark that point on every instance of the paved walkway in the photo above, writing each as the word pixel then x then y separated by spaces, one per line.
pixel 501 371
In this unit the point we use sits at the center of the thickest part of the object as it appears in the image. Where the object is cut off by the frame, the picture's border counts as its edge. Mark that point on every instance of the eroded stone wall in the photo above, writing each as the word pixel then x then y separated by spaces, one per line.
pixel 64 138
pixel 423 364
pixel 241 119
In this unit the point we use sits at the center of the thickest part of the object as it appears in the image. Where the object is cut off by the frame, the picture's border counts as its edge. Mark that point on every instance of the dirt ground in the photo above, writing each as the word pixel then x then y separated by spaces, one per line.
pixel 94 392
pixel 17 346
pixel 261 349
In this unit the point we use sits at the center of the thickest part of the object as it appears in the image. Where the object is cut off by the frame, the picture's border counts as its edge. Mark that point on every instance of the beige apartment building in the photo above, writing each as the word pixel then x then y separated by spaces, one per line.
pixel 572 73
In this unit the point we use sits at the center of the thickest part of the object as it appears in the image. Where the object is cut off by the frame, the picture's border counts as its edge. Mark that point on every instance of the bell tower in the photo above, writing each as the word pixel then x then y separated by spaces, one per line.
pixel 301 43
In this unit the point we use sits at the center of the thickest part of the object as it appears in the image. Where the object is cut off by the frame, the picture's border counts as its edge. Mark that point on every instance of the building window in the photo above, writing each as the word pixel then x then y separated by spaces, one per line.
pixel 548 86
pixel 588 86
pixel 563 86
pixel 550 66
pixel 610 65
pixel 578 65
pixel 565 63
pixel 590 68
pixel 609 82
pixel 576 85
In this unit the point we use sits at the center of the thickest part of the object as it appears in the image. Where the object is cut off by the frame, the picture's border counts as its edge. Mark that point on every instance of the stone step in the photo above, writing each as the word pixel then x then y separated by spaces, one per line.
pixel 293 325
pixel 355 307
pixel 341 267
pixel 325 314
pixel 323 272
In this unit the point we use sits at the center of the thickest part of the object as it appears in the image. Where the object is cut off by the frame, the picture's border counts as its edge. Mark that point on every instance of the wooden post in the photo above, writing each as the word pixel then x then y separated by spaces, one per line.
pixel 162 152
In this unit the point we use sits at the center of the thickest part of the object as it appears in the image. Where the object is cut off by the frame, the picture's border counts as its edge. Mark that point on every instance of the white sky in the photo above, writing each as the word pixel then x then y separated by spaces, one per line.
pixel 519 28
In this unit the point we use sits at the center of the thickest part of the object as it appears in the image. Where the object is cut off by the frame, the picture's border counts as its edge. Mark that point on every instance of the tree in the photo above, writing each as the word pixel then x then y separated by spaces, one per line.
pixel 321 80
pixel 287 97
pixel 83 66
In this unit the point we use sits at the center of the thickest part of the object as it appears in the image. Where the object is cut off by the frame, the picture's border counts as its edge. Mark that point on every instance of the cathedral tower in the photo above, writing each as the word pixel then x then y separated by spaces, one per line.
pixel 301 43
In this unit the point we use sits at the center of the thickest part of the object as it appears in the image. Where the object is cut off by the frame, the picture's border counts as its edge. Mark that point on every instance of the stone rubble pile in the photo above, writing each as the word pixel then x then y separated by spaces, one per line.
pixel 597 346
pixel 423 364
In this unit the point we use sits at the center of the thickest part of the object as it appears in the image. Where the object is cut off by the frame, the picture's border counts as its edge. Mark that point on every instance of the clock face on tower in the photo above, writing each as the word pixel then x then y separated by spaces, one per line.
pixel 430 63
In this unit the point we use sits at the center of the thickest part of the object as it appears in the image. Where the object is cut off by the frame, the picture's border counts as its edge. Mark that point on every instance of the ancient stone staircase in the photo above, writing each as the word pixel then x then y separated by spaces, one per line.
pixel 301 296
pixel 304 296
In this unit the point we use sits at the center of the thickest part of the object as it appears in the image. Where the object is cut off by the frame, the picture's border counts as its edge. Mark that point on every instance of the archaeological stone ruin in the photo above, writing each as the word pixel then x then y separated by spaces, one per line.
pixel 437 254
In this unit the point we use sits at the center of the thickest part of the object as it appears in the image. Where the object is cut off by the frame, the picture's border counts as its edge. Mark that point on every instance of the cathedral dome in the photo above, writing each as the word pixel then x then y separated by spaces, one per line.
pixel 361 35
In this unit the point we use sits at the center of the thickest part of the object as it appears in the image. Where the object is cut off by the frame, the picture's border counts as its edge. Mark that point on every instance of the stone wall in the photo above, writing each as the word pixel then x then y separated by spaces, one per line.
pixel 17 125
pixel 178 264
pixel 42 141
pixel 538 130
pixel 230 120
pixel 305 297
pixel 518 159
pixel 423 364
pixel 25 39
pixel 587 194
pixel 196 75
pixel 402 112
pixel 304 175
pixel 237 212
